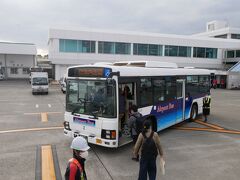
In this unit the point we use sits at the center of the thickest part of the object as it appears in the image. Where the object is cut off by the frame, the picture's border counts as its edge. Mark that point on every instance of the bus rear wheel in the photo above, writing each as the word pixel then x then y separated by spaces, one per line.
pixel 194 112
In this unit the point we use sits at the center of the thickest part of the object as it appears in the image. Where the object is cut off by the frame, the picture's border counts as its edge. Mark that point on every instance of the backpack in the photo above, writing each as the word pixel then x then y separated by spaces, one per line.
pixel 139 124
pixel 149 148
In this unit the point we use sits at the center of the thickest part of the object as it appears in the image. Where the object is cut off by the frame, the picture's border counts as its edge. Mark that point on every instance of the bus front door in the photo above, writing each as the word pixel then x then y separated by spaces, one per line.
pixel 127 97
pixel 180 100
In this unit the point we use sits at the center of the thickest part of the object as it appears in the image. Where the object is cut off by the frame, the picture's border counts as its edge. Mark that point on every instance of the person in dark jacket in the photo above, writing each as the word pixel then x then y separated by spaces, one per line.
pixel 76 165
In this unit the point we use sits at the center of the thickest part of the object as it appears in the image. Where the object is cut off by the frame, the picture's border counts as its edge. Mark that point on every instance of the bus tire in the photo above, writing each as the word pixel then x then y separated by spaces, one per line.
pixel 194 112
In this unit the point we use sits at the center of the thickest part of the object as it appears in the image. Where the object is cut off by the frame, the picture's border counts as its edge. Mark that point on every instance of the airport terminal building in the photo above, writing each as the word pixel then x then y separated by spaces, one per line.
pixel 218 48
pixel 16 59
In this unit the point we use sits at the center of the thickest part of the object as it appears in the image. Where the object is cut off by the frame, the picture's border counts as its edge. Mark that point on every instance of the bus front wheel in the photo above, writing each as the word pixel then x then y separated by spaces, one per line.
pixel 194 112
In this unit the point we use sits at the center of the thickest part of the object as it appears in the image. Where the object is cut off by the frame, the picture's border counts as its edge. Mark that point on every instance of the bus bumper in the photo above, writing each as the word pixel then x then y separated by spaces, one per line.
pixel 93 139
pixel 67 133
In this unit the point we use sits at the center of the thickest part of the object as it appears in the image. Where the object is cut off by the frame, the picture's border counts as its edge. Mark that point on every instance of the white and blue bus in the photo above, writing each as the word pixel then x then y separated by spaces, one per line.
pixel 98 98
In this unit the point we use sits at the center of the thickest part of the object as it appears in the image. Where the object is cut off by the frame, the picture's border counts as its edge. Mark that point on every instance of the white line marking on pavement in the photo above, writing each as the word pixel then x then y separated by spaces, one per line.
pixel 31 129
pixel 37 105
pixel 49 105
pixel 40 113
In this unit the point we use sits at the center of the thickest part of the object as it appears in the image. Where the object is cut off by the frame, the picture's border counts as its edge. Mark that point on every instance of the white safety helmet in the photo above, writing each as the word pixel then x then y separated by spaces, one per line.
pixel 79 143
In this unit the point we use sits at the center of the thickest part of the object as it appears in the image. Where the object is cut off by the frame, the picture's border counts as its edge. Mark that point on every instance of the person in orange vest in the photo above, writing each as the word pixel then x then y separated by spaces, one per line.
pixel 206 107
pixel 75 168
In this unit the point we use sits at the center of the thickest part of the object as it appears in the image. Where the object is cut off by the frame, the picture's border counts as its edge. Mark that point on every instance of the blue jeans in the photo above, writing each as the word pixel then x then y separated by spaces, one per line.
pixel 147 166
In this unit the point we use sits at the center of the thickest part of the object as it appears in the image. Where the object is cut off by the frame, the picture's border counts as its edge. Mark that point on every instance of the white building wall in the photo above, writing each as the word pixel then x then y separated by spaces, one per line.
pixel 60 71
pixel 60 58
pixel 19 62
pixel 16 55
pixel 233 81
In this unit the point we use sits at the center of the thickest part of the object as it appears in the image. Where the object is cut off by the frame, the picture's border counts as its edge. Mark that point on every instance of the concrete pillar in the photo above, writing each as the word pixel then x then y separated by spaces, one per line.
pixel 96 47
pixel 192 52
pixel 131 49
pixel 163 50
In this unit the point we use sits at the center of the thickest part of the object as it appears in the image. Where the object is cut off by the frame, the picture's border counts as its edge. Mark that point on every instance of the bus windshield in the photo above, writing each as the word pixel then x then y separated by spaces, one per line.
pixel 91 97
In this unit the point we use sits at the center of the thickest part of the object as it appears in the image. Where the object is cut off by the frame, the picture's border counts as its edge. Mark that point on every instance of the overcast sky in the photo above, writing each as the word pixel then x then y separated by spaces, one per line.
pixel 30 20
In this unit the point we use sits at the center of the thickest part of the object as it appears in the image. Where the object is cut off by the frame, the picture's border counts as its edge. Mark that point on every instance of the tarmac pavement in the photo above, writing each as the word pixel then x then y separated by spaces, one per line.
pixel 189 155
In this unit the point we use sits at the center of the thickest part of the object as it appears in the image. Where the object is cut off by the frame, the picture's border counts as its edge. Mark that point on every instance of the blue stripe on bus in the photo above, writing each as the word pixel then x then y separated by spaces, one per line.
pixel 169 113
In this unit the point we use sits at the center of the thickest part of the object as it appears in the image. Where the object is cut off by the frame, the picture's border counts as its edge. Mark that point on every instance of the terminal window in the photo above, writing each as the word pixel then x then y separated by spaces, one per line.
pixel 76 46
pixel 14 70
pixel 178 51
pixel 147 49
pixel 235 36
pixel 202 52
pixel 113 47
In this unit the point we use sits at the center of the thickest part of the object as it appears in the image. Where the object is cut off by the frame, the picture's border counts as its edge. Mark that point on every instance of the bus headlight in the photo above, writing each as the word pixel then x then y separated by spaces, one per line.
pixel 108 134
pixel 66 125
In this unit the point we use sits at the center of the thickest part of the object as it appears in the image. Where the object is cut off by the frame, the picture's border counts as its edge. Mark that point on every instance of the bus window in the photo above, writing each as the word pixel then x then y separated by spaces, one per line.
pixel 145 92
pixel 192 85
pixel 128 91
pixel 158 90
pixel 170 84
pixel 204 84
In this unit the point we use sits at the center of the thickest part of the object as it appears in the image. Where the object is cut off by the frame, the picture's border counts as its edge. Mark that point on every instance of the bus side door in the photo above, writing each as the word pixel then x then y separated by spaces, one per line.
pixel 180 100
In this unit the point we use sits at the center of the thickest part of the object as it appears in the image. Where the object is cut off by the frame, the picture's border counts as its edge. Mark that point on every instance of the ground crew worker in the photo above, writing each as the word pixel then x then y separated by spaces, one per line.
pixel 75 168
pixel 206 107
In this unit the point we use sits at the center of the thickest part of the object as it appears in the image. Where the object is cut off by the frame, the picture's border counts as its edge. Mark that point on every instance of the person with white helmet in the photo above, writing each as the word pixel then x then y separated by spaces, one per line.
pixel 75 168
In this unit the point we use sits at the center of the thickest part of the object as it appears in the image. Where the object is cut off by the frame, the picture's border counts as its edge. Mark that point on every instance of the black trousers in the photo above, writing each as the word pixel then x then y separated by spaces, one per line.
pixel 147 167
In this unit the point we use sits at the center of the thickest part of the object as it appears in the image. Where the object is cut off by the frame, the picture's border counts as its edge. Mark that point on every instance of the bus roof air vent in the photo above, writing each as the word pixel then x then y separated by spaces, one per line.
pixel 188 67
pixel 148 64
pixel 103 63
pixel 123 63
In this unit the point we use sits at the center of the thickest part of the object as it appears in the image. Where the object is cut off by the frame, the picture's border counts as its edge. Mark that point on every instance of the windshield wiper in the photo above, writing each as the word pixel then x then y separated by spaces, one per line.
pixel 94 114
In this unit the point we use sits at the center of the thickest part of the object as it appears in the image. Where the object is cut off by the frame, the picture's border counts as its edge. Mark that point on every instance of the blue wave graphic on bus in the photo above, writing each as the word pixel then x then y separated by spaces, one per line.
pixel 171 112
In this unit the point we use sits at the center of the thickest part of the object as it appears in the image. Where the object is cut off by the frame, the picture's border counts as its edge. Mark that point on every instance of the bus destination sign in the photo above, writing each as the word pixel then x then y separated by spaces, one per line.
pixel 89 72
